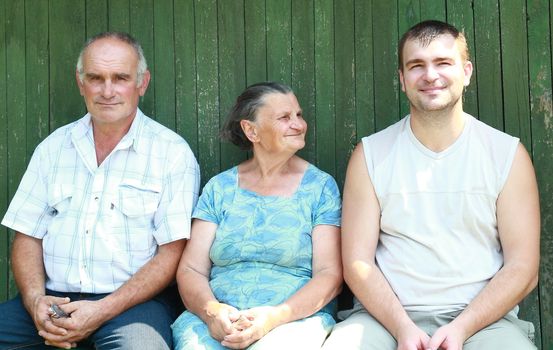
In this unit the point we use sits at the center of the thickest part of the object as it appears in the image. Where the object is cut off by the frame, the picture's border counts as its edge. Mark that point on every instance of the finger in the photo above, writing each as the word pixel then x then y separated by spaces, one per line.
pixel 435 342
pixel 63 322
pixel 49 327
pixel 58 300
pixel 62 345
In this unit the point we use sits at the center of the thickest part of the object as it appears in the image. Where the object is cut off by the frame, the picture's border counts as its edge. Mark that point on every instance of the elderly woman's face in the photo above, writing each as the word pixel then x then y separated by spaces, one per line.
pixel 279 124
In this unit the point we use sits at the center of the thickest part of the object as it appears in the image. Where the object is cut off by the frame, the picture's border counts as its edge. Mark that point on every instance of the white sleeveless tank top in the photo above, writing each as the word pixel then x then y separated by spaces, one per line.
pixel 439 244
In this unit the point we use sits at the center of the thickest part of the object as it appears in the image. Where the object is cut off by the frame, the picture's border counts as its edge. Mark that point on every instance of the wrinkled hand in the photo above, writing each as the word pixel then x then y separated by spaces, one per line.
pixel 412 337
pixel 220 320
pixel 40 312
pixel 261 321
pixel 85 317
pixel 448 337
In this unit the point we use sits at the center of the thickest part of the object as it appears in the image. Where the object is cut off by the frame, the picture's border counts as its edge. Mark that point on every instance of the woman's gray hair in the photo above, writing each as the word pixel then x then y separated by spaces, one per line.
pixel 121 36
pixel 245 108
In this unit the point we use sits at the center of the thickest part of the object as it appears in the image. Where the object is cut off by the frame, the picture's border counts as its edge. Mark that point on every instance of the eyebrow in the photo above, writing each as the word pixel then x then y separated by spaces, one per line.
pixel 437 59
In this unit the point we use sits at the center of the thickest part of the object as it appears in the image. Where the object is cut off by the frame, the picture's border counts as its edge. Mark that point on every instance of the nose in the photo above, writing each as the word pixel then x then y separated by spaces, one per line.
pixel 298 123
pixel 431 74
pixel 108 89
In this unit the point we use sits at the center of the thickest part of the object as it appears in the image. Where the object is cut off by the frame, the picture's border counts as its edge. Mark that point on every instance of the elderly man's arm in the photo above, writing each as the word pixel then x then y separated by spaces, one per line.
pixel 360 234
pixel 28 272
pixel 518 217
pixel 152 278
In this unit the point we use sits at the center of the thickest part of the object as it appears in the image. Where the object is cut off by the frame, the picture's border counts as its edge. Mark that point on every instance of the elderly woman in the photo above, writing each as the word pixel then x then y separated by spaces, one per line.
pixel 263 262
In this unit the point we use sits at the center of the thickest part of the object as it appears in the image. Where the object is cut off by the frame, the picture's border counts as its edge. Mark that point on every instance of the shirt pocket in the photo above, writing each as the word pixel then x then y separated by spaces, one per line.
pixel 59 199
pixel 137 202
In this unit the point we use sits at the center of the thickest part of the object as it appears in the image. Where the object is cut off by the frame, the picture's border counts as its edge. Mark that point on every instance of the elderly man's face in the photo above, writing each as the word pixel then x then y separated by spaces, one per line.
pixel 109 85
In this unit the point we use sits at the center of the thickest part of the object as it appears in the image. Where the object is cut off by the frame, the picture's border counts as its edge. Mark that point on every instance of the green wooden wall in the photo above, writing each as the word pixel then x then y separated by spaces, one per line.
pixel 339 56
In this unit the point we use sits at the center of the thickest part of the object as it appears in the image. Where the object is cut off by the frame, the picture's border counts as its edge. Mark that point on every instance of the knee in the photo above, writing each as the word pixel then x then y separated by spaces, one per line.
pixel 136 336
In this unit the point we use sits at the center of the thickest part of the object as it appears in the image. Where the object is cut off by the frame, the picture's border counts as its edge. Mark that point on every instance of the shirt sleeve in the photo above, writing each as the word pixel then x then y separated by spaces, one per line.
pixel 29 212
pixel 329 208
pixel 207 208
pixel 173 217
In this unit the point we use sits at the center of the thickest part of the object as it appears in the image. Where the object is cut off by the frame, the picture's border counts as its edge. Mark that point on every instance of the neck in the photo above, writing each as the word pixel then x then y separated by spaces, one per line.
pixel 437 130
pixel 107 136
pixel 268 167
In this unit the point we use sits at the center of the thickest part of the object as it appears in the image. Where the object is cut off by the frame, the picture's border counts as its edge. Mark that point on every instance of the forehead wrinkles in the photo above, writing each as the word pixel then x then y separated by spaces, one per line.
pixel 110 55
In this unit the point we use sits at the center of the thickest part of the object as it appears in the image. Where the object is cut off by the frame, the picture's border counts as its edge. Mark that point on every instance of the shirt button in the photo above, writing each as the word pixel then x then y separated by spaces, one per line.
pixel 96 198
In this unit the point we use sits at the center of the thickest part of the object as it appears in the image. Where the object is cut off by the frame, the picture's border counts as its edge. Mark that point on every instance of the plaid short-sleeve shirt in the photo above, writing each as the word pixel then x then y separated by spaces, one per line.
pixel 100 224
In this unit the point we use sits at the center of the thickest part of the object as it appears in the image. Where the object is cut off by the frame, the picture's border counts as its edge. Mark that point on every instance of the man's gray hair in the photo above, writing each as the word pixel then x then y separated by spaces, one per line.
pixel 121 36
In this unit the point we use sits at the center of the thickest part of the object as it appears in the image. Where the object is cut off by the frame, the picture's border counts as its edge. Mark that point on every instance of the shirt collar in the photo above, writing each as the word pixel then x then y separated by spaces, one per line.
pixel 132 139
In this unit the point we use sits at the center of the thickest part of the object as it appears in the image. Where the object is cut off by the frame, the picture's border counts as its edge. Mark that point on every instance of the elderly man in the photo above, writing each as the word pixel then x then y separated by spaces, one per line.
pixel 100 216
pixel 440 219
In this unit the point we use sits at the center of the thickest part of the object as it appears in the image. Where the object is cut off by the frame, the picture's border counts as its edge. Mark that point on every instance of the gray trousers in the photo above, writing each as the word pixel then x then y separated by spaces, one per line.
pixel 362 332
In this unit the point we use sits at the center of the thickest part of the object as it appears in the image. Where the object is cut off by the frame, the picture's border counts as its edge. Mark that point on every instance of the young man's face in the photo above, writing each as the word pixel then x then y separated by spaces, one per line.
pixel 434 76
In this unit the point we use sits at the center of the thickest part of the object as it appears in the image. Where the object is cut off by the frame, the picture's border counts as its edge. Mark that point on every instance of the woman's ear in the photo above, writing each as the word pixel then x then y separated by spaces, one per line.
pixel 249 130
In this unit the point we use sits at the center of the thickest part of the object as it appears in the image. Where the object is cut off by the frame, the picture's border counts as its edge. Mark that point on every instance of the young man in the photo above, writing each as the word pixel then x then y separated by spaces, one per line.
pixel 440 217
pixel 101 215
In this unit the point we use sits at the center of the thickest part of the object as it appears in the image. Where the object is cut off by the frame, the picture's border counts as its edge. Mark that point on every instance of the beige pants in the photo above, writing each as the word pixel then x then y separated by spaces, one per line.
pixel 307 334
pixel 361 331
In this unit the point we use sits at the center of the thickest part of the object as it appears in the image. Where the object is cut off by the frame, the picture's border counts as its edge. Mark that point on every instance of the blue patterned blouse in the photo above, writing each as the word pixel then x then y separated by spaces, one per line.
pixel 262 251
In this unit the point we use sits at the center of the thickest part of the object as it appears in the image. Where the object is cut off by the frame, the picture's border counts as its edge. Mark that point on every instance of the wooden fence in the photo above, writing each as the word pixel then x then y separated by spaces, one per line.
pixel 338 55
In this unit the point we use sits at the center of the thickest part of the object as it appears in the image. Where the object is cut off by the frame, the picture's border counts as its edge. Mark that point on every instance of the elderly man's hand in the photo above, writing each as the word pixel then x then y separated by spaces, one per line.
pixel 85 317
pixel 41 312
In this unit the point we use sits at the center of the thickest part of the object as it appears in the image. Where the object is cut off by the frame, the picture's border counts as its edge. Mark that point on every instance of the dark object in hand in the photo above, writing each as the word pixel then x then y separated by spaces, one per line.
pixel 57 312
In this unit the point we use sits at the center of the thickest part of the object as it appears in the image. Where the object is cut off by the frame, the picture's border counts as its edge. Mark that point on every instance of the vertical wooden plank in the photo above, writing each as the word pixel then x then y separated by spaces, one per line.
pixel 16 108
pixel 232 70
pixel 164 52
pixel 487 54
pixel 514 47
pixel 364 75
pixel 36 63
pixel 96 17
pixel 408 15
pixel 255 27
pixel 209 155
pixel 68 17
pixel 386 81
pixel 541 111
pixel 344 73
pixel 4 174
pixel 433 10
pixel 303 68
pixel 459 14
pixel 324 86
pixel 119 15
pixel 185 72
pixel 142 29
pixel 279 49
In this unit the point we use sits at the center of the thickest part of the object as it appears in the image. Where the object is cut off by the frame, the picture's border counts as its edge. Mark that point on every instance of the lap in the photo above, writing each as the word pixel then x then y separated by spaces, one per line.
pixel 146 325
pixel 305 334
pixel 509 333
pixel 361 331
pixel 191 333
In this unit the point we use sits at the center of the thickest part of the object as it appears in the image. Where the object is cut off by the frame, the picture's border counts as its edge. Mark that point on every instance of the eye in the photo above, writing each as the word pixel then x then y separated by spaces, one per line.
pixel 284 117
pixel 122 77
